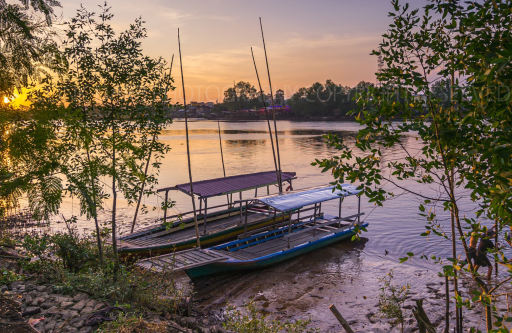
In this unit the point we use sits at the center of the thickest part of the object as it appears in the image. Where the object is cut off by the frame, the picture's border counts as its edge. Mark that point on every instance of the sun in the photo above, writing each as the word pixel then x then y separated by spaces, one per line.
pixel 6 100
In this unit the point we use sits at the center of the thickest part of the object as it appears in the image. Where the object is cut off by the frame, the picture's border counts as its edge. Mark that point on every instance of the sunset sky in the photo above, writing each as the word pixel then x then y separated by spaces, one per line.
pixel 307 41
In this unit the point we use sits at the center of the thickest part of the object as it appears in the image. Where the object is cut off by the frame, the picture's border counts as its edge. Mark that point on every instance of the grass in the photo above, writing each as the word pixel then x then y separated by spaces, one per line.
pixel 126 323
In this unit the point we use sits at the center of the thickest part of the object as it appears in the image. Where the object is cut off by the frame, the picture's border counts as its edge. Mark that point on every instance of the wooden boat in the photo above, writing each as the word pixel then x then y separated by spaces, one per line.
pixel 308 231
pixel 218 224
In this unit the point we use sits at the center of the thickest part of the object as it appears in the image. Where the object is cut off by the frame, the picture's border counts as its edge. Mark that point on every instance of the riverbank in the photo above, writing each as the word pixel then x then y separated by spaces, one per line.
pixel 31 303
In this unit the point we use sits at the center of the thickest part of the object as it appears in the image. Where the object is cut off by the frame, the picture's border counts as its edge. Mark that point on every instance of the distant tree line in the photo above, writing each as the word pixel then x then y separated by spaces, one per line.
pixel 328 100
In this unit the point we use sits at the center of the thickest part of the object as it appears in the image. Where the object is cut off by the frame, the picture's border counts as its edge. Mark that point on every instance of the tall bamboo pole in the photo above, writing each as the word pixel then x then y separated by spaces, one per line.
pixel 266 116
pixel 188 146
pixel 273 112
pixel 222 157
pixel 146 168
pixel 221 152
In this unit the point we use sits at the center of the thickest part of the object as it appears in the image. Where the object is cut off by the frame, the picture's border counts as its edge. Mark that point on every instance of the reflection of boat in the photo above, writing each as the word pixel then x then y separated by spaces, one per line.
pixel 307 229
pixel 218 223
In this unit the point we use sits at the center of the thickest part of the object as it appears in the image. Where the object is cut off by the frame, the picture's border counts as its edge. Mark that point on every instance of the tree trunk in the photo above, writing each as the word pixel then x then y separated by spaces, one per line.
pixel 94 209
pixel 114 205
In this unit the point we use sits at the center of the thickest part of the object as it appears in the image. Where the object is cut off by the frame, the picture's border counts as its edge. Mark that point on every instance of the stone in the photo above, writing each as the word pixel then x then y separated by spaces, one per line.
pixel 68 314
pixel 31 310
pixel 98 306
pixel 50 326
pixel 47 304
pixel 38 301
pixel 3 289
pixel 91 303
pixel 41 288
pixel 16 284
pixel 79 306
pixel 88 309
pixel 52 310
pixel 79 297
pixel 60 299
pixel 29 287
pixel 66 304
pixel 27 299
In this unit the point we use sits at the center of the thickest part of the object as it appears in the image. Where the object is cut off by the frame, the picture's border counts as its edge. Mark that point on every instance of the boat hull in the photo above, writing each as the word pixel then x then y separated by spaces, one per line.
pixel 268 260
pixel 207 240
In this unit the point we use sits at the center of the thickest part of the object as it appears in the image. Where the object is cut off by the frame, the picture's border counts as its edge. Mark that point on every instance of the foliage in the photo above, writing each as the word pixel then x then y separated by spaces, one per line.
pixel 71 264
pixel 242 95
pixel 464 142
pixel 249 320
pixel 7 276
pixel 132 323
pixel 26 45
pixel 322 100
pixel 392 299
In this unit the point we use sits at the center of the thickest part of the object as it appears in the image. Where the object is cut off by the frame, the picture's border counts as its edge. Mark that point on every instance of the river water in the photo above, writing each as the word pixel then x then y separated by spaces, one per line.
pixel 345 274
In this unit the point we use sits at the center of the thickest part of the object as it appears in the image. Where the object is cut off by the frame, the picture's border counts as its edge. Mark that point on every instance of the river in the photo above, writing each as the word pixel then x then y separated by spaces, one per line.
pixel 345 274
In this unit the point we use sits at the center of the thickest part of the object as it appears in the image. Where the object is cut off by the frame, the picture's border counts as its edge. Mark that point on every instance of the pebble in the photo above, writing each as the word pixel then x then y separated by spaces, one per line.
pixel 31 310
pixel 79 306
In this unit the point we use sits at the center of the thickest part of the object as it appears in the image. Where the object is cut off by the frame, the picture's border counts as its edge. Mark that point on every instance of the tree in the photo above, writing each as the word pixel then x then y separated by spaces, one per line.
pixel 118 105
pixel 324 100
pixel 27 51
pixel 467 49
pixel 26 45
pixel 99 120
pixel 242 95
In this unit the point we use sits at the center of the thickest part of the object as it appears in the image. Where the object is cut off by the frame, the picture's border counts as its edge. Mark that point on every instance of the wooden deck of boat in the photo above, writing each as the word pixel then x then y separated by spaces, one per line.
pixel 176 234
pixel 182 260
pixel 312 232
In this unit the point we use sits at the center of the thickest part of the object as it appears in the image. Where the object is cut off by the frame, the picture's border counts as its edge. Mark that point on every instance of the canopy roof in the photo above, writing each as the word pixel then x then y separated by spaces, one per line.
pixel 299 199
pixel 233 184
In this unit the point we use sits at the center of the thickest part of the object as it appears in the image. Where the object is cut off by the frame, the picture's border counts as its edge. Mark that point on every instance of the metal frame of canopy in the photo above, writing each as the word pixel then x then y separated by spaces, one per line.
pixel 205 189
pixel 294 201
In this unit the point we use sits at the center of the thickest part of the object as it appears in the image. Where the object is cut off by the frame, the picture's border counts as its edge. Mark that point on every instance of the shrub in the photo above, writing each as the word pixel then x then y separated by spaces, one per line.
pixel 249 320
pixel 392 299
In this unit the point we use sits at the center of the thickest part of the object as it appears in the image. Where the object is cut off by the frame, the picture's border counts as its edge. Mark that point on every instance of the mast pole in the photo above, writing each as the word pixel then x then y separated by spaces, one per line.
pixel 273 112
pixel 268 122
pixel 188 146
pixel 221 152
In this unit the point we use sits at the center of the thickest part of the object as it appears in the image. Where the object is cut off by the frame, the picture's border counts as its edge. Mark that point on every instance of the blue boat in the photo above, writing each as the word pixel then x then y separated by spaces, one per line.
pixel 307 229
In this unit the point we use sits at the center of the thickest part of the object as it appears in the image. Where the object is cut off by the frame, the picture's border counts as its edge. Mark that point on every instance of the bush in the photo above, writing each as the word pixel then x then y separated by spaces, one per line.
pixel 126 323
pixel 251 321
pixel 7 276
pixel 392 299
pixel 74 252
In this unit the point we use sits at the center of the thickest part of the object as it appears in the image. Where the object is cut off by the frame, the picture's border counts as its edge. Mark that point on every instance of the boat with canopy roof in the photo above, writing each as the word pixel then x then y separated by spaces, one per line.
pixel 217 223
pixel 306 229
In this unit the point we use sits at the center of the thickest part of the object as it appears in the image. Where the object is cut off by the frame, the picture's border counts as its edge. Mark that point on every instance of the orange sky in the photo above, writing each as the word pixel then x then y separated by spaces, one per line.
pixel 307 41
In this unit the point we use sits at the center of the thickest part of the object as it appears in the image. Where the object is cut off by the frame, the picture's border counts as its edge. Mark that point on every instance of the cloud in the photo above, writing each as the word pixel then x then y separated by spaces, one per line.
pixel 294 63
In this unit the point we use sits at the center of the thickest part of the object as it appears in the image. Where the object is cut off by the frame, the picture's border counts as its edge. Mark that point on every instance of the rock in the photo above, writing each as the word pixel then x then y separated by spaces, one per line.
pixel 52 310
pixel 61 299
pixel 66 304
pixel 79 306
pixel 50 326
pixel 38 301
pixel 88 309
pixel 3 289
pixel 31 310
pixel 27 299
pixel 79 323
pixel 98 306
pixel 41 288
pixel 79 297
pixel 68 314
pixel 47 304
pixel 91 303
